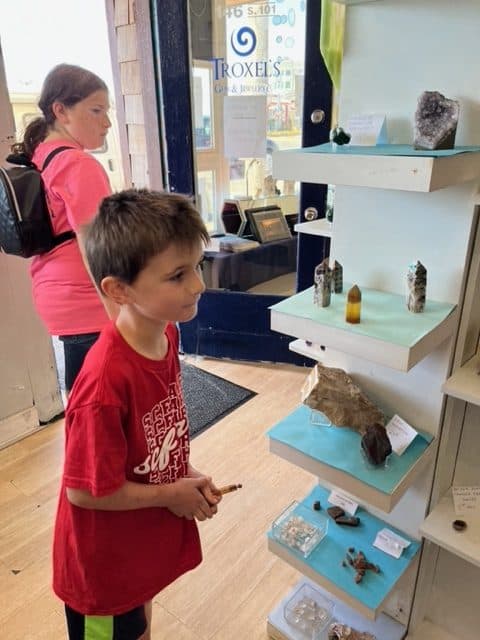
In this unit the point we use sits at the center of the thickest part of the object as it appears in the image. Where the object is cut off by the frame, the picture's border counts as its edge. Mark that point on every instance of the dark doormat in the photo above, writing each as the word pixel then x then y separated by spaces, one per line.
pixel 209 398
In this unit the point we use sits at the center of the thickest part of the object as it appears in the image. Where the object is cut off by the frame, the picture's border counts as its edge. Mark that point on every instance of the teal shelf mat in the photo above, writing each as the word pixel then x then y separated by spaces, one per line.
pixel 384 316
pixel 385 150
pixel 340 448
pixel 326 558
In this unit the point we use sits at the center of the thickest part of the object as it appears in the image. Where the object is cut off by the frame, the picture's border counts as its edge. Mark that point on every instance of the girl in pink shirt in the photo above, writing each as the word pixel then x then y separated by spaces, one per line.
pixel 74 103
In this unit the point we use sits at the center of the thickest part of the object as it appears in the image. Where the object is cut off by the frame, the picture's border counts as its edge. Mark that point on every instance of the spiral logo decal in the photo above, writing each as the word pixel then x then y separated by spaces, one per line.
pixel 243 41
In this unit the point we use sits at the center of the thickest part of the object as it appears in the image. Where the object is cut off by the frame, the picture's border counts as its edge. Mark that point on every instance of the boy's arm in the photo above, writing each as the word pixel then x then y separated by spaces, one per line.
pixel 184 498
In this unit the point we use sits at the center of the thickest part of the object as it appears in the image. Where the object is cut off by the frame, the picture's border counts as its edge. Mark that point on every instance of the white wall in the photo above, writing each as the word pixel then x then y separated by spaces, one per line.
pixel 394 50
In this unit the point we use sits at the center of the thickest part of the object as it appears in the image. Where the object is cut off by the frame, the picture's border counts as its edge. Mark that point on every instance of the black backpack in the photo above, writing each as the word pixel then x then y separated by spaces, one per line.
pixel 25 224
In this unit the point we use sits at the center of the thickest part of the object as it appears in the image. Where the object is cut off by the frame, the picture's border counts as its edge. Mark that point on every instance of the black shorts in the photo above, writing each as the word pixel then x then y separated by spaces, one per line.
pixel 125 626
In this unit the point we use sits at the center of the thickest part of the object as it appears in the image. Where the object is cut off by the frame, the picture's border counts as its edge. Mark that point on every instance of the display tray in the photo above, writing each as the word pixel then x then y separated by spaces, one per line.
pixel 324 564
pixel 300 528
pixel 384 627
pixel 387 166
pixel 388 333
pixel 334 455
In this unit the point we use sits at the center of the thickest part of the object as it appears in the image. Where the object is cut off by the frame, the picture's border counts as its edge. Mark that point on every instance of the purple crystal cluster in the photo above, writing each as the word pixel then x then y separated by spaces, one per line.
pixel 436 120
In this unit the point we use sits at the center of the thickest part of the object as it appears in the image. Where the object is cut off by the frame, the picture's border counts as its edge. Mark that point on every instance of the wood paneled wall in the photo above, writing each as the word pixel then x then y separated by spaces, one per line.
pixel 135 93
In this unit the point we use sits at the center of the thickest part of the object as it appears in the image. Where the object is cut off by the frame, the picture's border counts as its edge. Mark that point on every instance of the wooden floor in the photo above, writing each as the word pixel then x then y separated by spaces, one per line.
pixel 230 595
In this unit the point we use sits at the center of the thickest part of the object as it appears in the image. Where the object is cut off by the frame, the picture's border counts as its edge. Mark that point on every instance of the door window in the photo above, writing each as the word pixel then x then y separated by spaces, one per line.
pixel 247 86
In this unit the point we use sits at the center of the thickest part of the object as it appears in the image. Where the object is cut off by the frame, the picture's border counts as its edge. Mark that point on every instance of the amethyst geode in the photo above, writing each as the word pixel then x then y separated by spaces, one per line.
pixel 436 120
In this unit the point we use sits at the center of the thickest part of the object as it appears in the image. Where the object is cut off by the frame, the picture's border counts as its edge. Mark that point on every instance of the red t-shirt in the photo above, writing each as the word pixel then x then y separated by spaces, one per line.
pixel 63 292
pixel 126 420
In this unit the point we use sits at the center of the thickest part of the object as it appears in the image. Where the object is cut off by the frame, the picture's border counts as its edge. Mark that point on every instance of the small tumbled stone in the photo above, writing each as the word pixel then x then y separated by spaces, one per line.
pixel 459 525
pixel 316 505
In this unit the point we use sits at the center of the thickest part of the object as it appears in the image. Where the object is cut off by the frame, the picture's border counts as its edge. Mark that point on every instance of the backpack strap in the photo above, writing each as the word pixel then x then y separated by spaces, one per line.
pixel 66 235
pixel 52 154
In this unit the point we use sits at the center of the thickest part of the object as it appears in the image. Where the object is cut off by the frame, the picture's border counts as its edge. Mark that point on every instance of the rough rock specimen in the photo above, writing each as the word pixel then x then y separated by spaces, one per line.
pixel 436 120
pixel 417 287
pixel 338 631
pixel 339 516
pixel 360 564
pixel 333 392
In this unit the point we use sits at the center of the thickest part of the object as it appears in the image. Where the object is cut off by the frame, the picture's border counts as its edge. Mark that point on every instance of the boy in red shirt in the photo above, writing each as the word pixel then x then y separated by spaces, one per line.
pixel 125 525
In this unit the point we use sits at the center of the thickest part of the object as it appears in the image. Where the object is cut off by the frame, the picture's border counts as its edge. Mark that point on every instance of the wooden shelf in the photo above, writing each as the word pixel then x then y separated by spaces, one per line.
pixel 388 333
pixel 374 167
pixel 430 631
pixel 320 227
pixel 438 528
pixel 384 628
pixel 324 564
pixel 464 384
pixel 334 455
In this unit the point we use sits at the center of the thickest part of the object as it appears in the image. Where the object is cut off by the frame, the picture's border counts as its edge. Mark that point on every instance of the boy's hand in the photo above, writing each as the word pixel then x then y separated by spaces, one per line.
pixel 190 498
pixel 211 492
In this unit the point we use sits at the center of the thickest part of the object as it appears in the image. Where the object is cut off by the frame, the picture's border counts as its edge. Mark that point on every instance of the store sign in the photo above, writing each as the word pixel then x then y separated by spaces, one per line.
pixel 229 72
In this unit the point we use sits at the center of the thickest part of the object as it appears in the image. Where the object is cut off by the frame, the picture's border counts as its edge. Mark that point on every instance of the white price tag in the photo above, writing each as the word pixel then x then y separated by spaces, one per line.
pixel 466 500
pixel 400 433
pixel 391 543
pixel 343 501
pixel 368 129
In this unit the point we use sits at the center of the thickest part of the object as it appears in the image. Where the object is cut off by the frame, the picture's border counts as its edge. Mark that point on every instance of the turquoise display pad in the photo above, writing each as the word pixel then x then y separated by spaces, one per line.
pixel 385 150
pixel 326 558
pixel 384 316
pixel 340 448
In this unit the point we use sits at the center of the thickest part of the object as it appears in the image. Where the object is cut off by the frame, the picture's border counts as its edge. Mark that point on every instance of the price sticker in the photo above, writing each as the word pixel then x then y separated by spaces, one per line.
pixel 400 433
pixel 390 542
pixel 344 502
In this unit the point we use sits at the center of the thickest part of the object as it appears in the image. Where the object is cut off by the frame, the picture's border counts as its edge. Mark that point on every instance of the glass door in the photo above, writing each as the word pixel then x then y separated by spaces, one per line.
pixel 233 81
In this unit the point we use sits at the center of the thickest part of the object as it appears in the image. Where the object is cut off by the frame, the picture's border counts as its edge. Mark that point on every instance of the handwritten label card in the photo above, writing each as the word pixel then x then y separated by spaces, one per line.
pixel 466 500
pixel 369 129
pixel 390 542
pixel 344 502
pixel 401 434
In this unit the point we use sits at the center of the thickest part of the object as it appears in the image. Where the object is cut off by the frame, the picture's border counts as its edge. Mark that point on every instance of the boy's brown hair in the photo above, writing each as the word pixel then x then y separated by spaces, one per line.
pixel 135 225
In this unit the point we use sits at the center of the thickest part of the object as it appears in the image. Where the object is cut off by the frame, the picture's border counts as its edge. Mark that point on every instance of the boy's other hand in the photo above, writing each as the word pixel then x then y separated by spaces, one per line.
pixel 191 498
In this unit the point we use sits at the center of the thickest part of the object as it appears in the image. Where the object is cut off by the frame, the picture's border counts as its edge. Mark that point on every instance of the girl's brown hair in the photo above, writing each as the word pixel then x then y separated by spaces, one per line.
pixel 66 83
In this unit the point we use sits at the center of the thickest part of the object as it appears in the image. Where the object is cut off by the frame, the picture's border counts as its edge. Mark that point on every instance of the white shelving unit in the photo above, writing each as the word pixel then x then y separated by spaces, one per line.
pixel 307 349
pixel 394 205
pixel 327 164
pixel 322 451
pixel 413 338
pixel 430 631
pixel 438 528
pixel 383 628
pixel 320 227
pixel 464 384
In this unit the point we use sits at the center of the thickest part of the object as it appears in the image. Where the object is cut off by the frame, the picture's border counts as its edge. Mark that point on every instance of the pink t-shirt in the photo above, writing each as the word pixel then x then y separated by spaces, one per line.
pixel 63 293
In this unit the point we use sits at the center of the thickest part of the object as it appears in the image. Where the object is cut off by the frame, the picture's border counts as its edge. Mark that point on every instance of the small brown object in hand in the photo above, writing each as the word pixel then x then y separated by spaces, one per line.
pixel 229 488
